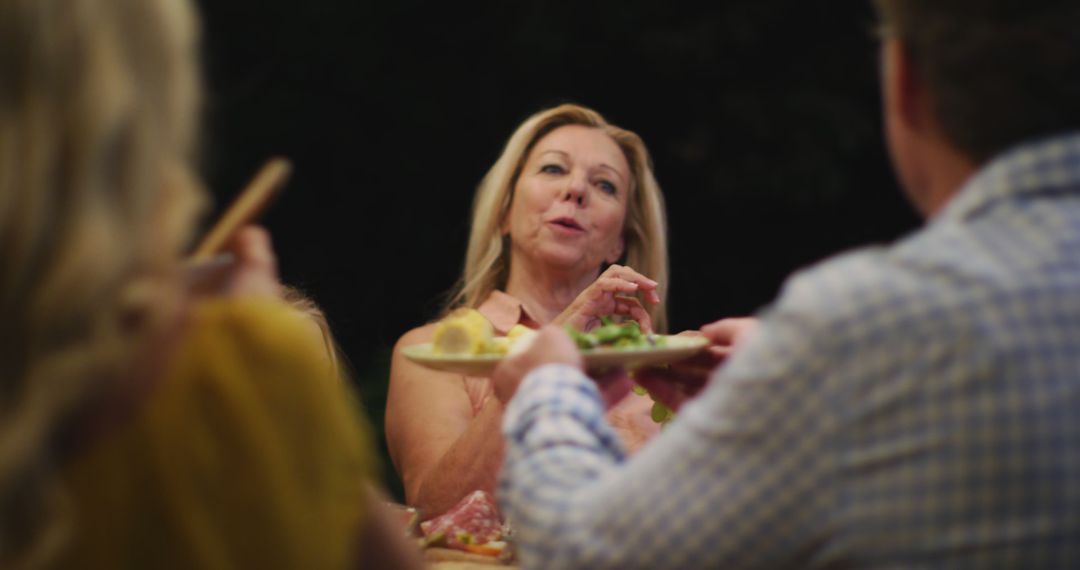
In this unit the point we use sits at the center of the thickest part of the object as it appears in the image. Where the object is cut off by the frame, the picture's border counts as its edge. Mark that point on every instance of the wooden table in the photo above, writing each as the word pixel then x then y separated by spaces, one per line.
pixel 450 559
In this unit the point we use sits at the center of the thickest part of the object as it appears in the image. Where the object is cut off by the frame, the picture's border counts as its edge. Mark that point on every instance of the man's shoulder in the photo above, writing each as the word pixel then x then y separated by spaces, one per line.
pixel 921 273
pixel 851 278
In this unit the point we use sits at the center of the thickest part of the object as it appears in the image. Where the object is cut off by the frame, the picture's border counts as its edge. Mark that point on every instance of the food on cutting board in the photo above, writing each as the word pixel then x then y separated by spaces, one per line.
pixel 473 525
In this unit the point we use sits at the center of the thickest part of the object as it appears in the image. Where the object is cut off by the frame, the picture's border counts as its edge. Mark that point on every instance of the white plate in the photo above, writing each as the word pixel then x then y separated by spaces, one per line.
pixel 675 348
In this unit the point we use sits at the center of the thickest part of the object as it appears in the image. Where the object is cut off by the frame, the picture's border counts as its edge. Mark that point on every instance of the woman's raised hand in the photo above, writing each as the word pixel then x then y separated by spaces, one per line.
pixel 248 267
pixel 612 294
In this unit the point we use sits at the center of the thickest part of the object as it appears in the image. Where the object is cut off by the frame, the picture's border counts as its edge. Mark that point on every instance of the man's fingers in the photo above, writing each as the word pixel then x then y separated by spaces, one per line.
pixel 614 384
pixel 729 331
pixel 671 386
pixel 550 345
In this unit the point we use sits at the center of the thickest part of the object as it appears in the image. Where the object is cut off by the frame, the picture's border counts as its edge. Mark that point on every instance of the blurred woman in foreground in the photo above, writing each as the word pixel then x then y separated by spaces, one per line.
pixel 140 426
pixel 567 226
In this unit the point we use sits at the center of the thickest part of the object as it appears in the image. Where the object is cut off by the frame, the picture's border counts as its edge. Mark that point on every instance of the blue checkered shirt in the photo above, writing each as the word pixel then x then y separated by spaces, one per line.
pixel 910 406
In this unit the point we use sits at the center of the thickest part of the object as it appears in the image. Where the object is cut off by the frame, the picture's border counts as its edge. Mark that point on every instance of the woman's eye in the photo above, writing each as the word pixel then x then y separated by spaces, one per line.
pixel 607 187
pixel 552 169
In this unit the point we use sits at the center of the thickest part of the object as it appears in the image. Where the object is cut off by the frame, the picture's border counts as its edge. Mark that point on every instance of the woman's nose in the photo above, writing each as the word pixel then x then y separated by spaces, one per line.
pixel 576 190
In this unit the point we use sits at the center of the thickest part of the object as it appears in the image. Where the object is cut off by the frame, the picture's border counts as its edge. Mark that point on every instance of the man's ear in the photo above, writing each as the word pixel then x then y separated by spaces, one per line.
pixel 906 98
pixel 921 152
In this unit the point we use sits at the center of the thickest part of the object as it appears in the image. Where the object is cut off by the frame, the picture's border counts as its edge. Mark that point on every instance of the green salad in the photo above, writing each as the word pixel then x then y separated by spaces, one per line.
pixel 625 335
pixel 615 335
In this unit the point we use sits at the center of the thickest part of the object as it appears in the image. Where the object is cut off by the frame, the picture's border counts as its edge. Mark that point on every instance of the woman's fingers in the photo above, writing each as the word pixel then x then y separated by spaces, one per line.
pixel 607 285
pixel 631 307
pixel 644 284
pixel 629 274
pixel 256 264
pixel 247 267
pixel 613 293
pixel 612 284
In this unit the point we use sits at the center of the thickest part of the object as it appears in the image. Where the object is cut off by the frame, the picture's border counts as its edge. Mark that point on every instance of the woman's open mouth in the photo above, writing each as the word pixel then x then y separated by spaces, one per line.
pixel 567 224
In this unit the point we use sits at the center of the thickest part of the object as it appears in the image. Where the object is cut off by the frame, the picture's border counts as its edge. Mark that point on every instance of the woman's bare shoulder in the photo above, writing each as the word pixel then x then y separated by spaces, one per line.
pixel 420 334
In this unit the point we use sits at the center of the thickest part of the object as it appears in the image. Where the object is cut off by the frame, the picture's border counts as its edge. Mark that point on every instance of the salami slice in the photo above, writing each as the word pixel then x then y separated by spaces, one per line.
pixel 474 520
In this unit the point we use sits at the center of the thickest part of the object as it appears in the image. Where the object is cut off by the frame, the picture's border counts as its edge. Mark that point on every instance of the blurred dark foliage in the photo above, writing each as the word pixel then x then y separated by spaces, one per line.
pixel 762 117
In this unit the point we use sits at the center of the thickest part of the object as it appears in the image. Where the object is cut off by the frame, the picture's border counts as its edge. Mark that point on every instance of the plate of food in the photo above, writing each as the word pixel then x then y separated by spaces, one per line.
pixel 464 343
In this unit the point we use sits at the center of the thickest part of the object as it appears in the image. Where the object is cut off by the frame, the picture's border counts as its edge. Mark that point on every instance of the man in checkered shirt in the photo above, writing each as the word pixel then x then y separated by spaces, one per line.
pixel 914 406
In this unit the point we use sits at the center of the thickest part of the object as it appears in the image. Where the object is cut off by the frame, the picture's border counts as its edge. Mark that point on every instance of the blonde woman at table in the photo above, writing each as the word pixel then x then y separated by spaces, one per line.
pixel 142 426
pixel 567 226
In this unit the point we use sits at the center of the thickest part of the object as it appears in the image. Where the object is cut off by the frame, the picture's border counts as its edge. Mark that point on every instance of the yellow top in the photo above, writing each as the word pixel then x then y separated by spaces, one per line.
pixel 249 454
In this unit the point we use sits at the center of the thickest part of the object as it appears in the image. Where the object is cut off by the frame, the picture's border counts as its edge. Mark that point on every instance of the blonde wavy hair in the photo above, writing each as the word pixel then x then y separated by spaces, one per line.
pixel 487 259
pixel 97 112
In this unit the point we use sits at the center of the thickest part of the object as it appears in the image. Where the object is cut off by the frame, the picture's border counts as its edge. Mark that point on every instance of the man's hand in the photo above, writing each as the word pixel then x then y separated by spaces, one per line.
pixel 682 381
pixel 614 384
pixel 725 334
pixel 550 345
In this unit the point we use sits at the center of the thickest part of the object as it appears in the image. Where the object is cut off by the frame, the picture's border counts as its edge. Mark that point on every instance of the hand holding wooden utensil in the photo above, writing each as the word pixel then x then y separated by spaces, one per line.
pixel 236 257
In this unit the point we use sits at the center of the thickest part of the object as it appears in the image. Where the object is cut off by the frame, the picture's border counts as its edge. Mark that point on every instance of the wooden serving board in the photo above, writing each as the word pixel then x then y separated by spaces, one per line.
pixel 451 559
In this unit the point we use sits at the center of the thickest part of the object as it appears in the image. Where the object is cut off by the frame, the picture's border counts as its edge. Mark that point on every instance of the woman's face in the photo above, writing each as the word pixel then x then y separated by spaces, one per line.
pixel 570 201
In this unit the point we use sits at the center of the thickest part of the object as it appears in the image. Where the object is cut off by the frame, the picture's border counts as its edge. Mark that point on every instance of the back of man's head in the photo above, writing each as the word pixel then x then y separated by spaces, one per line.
pixel 1000 72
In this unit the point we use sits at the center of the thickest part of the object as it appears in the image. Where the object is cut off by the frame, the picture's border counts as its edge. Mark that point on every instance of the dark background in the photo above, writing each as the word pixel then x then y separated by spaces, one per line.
pixel 762 117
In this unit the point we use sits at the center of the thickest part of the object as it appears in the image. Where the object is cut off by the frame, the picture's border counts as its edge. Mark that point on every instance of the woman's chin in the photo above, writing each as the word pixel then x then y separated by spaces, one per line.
pixel 565 261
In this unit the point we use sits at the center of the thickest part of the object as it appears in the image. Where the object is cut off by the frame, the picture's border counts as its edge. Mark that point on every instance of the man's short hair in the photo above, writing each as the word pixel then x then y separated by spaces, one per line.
pixel 1000 71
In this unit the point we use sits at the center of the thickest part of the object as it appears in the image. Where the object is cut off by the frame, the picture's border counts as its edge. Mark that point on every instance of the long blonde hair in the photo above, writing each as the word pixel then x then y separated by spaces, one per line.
pixel 97 112
pixel 487 260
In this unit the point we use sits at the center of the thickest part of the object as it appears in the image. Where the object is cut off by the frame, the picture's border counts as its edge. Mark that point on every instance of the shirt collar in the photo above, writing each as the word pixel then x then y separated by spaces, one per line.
pixel 1044 166
pixel 504 311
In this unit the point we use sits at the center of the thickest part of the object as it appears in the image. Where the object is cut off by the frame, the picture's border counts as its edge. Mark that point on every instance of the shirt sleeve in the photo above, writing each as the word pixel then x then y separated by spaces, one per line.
pixel 739 479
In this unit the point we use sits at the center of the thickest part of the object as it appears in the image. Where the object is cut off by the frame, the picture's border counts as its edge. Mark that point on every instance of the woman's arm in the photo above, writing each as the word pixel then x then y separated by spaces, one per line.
pixel 382 543
pixel 441 449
